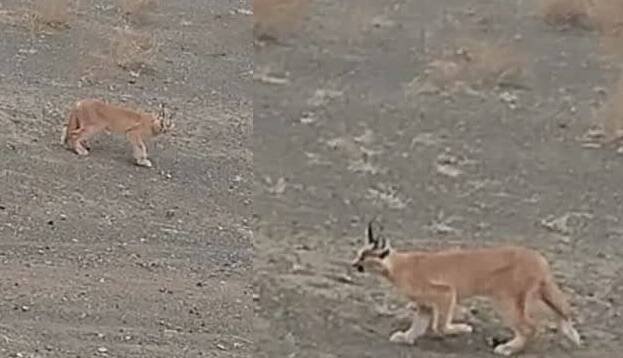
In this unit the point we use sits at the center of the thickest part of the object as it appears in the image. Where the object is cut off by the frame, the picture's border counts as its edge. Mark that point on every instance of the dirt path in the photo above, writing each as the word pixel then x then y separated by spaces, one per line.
pixel 479 147
pixel 99 257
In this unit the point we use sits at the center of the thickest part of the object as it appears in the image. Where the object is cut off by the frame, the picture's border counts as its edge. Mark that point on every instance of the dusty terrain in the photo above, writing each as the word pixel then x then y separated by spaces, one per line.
pixel 462 125
pixel 99 257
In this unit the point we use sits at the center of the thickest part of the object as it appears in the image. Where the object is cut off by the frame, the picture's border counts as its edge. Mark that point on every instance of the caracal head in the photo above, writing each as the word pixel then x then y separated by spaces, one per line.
pixel 374 250
pixel 165 119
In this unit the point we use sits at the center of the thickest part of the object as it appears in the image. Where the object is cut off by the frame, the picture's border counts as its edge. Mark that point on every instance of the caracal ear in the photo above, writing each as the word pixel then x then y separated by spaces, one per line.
pixel 371 239
pixel 161 112
pixel 385 245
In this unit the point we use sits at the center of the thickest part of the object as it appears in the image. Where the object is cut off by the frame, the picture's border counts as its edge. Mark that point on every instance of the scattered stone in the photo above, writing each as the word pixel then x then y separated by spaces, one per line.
pixel 221 347
pixel 509 98
pixel 425 139
pixel 264 76
pixel 448 170
pixel 382 21
pixel 102 350
pixel 308 118
pixel 245 12
pixel 561 224
pixel 366 138
pixel 441 228
pixel 323 96
pixel 279 187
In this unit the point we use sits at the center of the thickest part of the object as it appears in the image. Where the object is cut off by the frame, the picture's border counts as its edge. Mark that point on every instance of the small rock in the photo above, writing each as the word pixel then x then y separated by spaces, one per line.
pixel 448 170
pixel 221 347
pixel 382 21
pixel 308 118
pixel 102 350
pixel 509 98
pixel 280 186
pixel 245 12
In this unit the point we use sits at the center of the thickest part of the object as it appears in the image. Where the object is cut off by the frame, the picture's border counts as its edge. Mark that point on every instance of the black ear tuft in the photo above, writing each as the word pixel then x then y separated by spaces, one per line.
pixel 381 241
pixel 371 239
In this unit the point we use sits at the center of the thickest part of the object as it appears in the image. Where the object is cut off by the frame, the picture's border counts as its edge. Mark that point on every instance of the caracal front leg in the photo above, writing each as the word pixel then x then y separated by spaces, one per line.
pixel 445 306
pixel 139 150
pixel 419 323
pixel 80 137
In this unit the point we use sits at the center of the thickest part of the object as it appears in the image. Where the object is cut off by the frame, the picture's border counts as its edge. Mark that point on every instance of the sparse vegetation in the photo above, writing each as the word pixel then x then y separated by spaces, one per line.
pixel 605 16
pixel 276 15
pixel 50 13
pixel 137 10
pixel 132 50
pixel 565 12
pixel 41 16
pixel 477 63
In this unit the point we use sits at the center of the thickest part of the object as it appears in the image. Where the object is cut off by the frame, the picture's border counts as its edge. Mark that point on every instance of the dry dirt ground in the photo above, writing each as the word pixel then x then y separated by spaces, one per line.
pixel 99 257
pixel 353 117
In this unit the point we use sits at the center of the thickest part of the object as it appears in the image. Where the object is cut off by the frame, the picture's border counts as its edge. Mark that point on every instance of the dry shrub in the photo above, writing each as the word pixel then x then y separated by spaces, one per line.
pixel 612 46
pixel 493 64
pixel 565 12
pixel 49 13
pixel 13 17
pixel 277 15
pixel 478 63
pixel 138 10
pixel 607 16
pixel 41 16
pixel 132 50
pixel 94 66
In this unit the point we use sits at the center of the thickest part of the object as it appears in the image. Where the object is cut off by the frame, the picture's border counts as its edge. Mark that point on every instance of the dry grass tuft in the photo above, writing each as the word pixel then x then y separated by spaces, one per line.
pixel 607 16
pixel 132 50
pixel 138 10
pixel 49 13
pixel 277 15
pixel 612 46
pixel 41 16
pixel 570 13
pixel 478 63
pixel 493 64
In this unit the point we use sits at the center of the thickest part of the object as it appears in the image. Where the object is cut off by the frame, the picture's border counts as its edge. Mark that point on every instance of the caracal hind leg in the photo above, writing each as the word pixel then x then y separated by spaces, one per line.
pixel 523 325
pixel 420 321
pixel 139 150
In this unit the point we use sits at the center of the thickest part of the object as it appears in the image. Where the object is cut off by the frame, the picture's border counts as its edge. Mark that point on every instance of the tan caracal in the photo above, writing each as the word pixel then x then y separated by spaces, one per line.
pixel 88 117
pixel 512 277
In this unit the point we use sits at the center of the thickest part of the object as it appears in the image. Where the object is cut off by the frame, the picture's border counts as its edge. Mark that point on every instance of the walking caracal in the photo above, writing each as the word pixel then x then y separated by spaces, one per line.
pixel 88 117
pixel 512 277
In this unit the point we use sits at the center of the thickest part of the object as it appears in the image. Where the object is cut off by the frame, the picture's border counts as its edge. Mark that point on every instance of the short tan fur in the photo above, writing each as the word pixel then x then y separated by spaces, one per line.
pixel 512 277
pixel 88 117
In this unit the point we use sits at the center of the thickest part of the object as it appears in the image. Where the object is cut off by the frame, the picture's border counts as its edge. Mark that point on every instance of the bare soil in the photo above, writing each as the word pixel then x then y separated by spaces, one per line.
pixel 353 117
pixel 99 257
